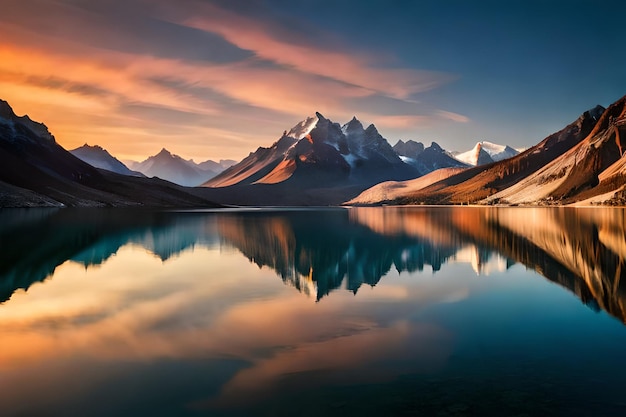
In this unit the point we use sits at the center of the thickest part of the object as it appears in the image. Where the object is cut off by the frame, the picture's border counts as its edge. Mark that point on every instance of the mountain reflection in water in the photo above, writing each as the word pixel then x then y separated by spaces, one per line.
pixel 319 251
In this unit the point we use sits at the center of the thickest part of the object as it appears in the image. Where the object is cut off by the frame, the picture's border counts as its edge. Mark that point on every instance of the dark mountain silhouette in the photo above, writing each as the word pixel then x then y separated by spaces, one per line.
pixel 36 171
pixel 98 157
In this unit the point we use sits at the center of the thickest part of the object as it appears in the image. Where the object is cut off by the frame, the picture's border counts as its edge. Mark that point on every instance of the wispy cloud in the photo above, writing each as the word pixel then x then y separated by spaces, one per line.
pixel 355 68
pixel 455 117
pixel 219 83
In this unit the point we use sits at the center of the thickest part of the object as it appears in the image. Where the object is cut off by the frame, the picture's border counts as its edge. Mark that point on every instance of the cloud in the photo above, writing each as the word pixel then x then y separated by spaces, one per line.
pixel 355 68
pixel 202 80
pixel 455 117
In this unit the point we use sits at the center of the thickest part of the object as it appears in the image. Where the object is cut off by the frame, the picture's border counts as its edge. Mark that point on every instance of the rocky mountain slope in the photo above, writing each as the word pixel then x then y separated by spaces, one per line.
pixel 426 159
pixel 592 171
pixel 580 162
pixel 37 171
pixel 391 190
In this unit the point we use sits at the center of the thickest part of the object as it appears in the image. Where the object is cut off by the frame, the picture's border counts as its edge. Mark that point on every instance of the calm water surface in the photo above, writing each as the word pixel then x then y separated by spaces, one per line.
pixel 369 311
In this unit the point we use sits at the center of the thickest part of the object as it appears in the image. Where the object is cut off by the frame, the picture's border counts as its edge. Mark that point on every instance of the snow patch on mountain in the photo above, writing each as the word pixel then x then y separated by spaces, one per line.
pixel 495 152
pixel 302 129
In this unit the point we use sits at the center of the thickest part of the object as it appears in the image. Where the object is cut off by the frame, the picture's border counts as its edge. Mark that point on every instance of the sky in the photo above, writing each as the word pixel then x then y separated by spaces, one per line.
pixel 216 79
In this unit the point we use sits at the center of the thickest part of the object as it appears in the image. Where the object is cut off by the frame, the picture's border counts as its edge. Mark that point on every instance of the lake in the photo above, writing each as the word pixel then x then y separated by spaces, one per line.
pixel 429 311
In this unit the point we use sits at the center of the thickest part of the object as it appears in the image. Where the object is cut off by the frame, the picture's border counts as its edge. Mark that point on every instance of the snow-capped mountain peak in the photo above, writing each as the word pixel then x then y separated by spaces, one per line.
pixel 303 128
pixel 320 148
pixel 354 125
pixel 486 152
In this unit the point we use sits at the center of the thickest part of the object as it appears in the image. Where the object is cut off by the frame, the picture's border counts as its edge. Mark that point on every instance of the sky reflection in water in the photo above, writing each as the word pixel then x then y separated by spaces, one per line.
pixel 159 313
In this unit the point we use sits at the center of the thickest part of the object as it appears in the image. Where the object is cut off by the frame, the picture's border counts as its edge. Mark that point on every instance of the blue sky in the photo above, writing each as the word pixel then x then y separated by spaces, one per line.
pixel 217 79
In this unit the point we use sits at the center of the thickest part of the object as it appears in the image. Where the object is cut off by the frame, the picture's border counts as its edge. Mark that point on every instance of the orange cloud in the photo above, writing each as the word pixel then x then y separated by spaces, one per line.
pixel 88 86
pixel 354 69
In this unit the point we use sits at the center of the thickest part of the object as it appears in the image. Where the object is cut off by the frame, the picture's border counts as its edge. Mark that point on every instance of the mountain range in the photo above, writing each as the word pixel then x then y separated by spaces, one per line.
pixel 164 165
pixel 426 159
pixel 36 171
pixel 583 163
pixel 320 162
pixel 174 168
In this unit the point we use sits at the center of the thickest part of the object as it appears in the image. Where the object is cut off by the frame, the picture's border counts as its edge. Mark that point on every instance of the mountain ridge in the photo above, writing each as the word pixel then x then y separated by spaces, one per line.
pixel 315 157
pixel 583 163
pixel 36 171
pixel 99 157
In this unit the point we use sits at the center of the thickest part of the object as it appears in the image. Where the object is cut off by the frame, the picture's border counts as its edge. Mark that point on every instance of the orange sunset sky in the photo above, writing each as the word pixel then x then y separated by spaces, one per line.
pixel 217 79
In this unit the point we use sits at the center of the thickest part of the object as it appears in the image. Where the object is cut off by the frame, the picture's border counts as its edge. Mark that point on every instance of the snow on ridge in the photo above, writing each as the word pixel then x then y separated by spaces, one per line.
pixel 351 159
pixel 469 157
pixel 496 151
pixel 303 128
pixel 490 147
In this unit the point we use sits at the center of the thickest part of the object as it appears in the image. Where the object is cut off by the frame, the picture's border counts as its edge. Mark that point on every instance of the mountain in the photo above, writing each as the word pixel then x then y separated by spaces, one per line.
pixel 210 165
pixel 409 149
pixel 316 162
pixel 485 153
pixel 391 190
pixel 570 164
pixel 426 159
pixel 37 171
pixel 593 171
pixel 173 168
pixel 98 157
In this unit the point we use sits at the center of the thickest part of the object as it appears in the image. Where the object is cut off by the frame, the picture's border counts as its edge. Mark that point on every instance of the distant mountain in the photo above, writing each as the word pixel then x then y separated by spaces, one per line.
pixel 98 157
pixel 409 149
pixel 582 162
pixel 215 166
pixel 316 162
pixel 485 153
pixel 428 159
pixel 36 171
pixel 170 167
